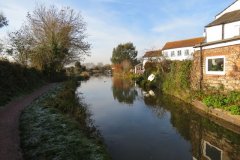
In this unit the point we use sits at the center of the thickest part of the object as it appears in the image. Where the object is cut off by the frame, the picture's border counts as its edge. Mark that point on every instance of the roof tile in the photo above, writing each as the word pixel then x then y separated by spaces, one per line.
pixel 183 43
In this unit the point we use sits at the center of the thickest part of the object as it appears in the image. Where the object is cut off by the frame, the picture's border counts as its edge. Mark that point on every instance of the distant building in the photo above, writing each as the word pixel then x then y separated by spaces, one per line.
pixel 218 58
pixel 182 49
pixel 152 56
pixel 138 69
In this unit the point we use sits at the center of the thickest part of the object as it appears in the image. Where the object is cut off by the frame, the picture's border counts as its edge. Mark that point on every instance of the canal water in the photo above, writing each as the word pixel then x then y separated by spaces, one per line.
pixel 146 125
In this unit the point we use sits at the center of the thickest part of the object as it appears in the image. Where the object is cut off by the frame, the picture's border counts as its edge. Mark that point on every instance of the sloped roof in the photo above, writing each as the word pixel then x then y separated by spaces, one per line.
pixel 226 18
pixel 183 43
pixel 226 8
pixel 155 53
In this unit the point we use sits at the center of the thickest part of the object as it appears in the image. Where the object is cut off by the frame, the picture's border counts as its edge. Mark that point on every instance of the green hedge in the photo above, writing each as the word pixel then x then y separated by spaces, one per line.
pixel 16 79
pixel 178 77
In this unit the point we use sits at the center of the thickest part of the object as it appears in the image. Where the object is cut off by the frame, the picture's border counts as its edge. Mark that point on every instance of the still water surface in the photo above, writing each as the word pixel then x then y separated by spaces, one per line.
pixel 143 125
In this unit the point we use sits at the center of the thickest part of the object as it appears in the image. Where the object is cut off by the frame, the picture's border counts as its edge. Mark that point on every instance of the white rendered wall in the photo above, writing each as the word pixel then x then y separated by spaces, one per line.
pixel 214 33
pixel 176 57
pixel 231 30
pixel 234 7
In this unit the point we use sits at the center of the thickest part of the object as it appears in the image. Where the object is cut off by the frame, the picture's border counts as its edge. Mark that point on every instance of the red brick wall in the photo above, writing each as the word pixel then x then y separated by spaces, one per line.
pixel 229 81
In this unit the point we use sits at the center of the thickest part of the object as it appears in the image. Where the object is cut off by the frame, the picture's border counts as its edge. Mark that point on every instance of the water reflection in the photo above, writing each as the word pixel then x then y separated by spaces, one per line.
pixel 157 126
pixel 209 140
pixel 123 90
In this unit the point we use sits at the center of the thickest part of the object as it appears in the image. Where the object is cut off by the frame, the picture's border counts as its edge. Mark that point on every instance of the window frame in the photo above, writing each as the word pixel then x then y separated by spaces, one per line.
pixel 173 54
pixel 215 72
pixel 186 51
pixel 179 53
pixel 205 143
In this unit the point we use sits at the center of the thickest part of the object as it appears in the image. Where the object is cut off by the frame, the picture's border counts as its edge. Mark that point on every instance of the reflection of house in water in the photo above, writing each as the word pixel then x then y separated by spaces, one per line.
pixel 209 141
pixel 211 145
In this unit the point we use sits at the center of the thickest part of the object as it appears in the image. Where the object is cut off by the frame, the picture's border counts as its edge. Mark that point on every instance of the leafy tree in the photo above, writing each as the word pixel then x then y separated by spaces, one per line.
pixel 124 52
pixel 3 20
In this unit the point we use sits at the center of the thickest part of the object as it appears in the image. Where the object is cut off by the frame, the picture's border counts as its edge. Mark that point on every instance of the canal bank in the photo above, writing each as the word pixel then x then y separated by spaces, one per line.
pixel 177 78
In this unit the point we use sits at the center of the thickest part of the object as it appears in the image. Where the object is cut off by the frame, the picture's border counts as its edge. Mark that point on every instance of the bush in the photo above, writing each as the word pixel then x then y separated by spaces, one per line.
pixel 16 80
pixel 229 102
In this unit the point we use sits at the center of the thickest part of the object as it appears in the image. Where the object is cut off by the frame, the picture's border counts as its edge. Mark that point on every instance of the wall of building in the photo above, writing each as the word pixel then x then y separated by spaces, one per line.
pixel 230 80
pixel 231 30
pixel 151 59
pixel 214 33
pixel 167 53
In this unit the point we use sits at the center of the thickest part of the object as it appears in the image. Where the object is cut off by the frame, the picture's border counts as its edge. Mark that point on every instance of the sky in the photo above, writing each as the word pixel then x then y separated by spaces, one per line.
pixel 149 24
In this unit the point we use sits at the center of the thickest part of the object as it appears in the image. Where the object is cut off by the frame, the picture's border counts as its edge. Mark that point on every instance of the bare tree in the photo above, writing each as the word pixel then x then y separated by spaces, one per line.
pixel 3 20
pixel 20 45
pixel 50 39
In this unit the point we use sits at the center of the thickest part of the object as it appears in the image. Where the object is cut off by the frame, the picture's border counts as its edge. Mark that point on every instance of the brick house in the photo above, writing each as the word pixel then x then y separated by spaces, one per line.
pixel 217 60
pixel 182 49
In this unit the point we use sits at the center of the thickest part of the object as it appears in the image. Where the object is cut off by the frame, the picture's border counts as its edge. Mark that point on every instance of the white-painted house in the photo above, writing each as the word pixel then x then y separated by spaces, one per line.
pixel 226 24
pixel 152 56
pixel 181 50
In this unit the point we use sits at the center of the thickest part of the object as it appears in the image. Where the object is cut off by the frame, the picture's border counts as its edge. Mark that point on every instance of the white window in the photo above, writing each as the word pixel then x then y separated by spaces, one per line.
pixel 186 52
pixel 215 65
pixel 179 52
pixel 172 54
pixel 211 152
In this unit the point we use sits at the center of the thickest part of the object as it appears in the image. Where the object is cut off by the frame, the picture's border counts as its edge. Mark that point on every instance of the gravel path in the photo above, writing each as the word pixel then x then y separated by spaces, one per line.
pixel 9 124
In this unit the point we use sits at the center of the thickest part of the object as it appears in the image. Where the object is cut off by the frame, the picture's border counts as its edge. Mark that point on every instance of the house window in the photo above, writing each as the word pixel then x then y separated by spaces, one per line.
pixel 179 52
pixel 211 152
pixel 186 52
pixel 172 54
pixel 215 65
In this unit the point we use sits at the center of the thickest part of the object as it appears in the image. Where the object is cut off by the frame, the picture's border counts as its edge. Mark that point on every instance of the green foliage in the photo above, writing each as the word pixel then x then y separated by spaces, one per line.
pixel 215 101
pixel 123 52
pixel 229 102
pixel 150 67
pixel 16 80
pixel 47 133
pixel 177 80
pixel 235 110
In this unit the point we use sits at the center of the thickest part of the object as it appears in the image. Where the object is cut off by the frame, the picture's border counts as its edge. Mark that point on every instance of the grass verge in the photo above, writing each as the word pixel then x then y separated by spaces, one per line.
pixel 49 132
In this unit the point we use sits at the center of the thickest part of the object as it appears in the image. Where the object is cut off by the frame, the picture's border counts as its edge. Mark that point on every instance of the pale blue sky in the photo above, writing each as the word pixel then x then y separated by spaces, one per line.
pixel 146 23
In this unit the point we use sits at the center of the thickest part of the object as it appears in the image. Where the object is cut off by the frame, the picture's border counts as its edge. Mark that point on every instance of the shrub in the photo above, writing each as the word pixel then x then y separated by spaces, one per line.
pixel 235 110
pixel 17 79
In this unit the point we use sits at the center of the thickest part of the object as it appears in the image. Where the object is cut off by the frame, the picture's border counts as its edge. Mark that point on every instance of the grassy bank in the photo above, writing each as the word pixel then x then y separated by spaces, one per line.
pixel 17 80
pixel 56 126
